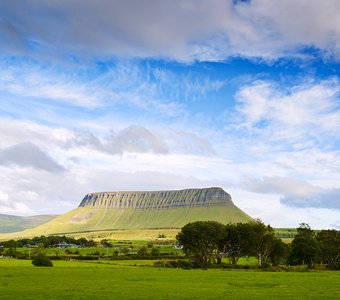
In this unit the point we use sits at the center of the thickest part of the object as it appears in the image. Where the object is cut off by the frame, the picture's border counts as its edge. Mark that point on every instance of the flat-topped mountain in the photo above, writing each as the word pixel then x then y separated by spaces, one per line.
pixel 158 199
pixel 144 210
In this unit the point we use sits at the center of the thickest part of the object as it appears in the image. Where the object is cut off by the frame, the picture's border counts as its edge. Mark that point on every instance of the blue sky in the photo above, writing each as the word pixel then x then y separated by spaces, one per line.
pixel 132 95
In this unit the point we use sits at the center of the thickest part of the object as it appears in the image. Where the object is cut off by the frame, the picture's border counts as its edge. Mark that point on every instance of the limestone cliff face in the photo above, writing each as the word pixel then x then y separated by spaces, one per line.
pixel 158 199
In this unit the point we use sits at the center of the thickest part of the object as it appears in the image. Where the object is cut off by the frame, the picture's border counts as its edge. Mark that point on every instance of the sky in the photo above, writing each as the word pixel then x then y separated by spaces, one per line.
pixel 172 94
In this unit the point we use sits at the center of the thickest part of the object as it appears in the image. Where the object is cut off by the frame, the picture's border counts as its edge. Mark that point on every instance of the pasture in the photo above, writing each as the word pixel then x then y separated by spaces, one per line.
pixel 140 280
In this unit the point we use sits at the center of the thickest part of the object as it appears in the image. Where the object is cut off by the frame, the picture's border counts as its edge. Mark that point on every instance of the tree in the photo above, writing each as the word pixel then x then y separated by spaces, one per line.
pixel 258 240
pixel 12 247
pixel 232 243
pixel 329 242
pixel 42 260
pixel 201 241
pixel 106 244
pixel 280 252
pixel 305 247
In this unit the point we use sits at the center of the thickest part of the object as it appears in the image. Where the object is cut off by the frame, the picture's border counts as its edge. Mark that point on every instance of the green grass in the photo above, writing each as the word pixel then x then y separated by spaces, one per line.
pixel 123 280
pixel 285 232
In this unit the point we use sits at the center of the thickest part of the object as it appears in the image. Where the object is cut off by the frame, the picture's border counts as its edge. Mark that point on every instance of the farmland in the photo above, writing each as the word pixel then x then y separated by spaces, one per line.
pixel 140 280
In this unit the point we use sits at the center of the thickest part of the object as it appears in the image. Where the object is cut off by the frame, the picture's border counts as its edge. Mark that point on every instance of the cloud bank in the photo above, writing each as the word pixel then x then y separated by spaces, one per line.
pixel 181 30
pixel 294 192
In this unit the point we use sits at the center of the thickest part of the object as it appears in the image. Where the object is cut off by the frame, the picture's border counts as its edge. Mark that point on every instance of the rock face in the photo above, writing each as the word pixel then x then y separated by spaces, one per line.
pixel 158 199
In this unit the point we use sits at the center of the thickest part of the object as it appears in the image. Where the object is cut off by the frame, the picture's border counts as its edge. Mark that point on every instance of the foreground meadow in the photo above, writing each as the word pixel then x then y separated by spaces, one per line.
pixel 139 280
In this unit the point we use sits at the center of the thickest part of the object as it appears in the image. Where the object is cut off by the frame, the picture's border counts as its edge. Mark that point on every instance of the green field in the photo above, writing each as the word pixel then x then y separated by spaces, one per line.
pixel 138 280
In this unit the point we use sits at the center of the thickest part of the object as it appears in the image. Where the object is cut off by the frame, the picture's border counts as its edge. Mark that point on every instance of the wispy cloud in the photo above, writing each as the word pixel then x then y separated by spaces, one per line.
pixel 305 112
pixel 125 86
pixel 29 80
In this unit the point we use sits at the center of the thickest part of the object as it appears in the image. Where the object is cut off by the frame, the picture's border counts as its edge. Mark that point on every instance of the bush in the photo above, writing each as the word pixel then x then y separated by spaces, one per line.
pixel 142 252
pixel 42 260
pixel 184 264
pixel 155 253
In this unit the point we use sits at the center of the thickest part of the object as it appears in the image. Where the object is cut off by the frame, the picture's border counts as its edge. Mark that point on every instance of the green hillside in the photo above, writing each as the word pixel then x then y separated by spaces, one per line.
pixel 9 223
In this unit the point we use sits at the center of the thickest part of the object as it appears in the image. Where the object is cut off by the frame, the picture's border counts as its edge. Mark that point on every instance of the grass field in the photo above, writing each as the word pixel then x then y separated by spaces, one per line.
pixel 138 280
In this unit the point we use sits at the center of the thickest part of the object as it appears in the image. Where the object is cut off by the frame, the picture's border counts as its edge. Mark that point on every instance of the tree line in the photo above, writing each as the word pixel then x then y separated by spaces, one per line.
pixel 207 242
pixel 47 241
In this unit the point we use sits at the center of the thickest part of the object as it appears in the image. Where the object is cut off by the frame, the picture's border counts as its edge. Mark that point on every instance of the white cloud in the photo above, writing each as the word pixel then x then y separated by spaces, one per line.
pixel 303 112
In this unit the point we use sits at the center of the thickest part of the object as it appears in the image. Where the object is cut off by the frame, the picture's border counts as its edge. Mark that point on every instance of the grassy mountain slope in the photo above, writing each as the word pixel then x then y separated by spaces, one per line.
pixel 108 211
pixel 85 219
pixel 9 223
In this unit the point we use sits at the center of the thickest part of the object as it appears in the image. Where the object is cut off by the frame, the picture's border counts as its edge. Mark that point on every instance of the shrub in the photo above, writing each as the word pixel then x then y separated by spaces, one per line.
pixel 142 252
pixel 184 264
pixel 42 260
pixel 155 252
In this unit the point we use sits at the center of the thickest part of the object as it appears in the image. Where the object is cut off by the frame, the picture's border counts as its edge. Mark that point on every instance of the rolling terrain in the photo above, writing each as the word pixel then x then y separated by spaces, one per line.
pixel 143 211
pixel 9 223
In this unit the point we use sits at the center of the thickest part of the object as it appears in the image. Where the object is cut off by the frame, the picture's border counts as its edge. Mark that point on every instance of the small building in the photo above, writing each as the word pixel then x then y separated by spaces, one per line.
pixel 64 245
